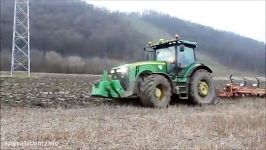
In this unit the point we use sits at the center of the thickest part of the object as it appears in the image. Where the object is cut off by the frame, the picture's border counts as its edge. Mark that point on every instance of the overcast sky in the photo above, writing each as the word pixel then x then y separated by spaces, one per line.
pixel 246 18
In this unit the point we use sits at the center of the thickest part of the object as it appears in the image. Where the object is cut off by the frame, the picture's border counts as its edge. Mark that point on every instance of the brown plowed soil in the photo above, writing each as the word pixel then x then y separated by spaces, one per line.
pixel 59 109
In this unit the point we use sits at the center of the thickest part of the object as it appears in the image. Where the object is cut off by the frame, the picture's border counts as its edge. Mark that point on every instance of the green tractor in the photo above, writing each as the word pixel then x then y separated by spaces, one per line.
pixel 171 69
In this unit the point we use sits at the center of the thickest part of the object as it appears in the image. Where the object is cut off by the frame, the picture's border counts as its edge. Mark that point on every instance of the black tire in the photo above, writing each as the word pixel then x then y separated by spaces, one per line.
pixel 195 93
pixel 149 88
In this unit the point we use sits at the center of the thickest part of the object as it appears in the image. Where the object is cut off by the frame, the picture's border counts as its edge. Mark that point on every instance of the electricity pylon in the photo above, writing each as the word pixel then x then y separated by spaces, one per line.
pixel 20 60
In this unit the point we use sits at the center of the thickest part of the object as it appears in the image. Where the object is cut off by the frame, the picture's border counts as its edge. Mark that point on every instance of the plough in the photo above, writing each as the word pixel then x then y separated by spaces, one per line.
pixel 241 89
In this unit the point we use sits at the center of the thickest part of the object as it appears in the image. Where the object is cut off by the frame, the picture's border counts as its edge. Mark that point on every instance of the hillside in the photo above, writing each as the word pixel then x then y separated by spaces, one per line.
pixel 154 33
pixel 229 49
pixel 71 36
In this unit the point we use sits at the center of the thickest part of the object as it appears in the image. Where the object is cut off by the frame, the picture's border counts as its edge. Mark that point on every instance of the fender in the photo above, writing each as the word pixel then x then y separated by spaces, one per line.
pixel 186 73
pixel 149 72
pixel 168 78
pixel 193 68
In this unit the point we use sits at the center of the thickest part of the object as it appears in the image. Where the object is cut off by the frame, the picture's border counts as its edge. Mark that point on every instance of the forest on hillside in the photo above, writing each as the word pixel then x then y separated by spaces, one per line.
pixel 72 36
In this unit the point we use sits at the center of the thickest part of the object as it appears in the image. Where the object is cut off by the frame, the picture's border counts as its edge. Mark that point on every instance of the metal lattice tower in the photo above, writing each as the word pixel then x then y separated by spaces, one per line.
pixel 20 60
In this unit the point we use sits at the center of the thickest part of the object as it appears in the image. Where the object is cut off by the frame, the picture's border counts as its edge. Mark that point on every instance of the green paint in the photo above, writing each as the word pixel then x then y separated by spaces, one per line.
pixel 107 87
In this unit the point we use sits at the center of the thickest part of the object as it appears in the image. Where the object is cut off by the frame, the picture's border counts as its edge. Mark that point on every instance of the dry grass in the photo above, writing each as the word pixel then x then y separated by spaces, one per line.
pixel 234 124
pixel 238 125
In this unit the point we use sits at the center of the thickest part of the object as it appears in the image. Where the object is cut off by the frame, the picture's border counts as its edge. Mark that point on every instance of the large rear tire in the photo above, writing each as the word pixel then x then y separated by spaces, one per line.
pixel 202 90
pixel 155 91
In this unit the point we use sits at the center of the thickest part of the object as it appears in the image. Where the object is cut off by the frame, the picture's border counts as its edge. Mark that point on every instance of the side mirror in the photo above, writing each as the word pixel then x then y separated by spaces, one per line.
pixel 144 49
pixel 182 48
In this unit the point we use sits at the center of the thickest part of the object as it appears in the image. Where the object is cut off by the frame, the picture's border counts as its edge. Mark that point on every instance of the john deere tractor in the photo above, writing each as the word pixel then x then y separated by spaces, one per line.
pixel 171 69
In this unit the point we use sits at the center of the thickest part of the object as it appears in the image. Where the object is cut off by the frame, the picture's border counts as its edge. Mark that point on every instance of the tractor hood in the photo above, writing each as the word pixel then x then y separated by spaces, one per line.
pixel 140 64
pixel 138 67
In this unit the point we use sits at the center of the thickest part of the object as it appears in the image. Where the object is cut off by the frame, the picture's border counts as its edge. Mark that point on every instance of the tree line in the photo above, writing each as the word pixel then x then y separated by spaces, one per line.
pixel 73 28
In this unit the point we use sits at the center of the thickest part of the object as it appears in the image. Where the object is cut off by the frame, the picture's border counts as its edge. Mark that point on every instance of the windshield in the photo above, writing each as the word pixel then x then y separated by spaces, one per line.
pixel 166 54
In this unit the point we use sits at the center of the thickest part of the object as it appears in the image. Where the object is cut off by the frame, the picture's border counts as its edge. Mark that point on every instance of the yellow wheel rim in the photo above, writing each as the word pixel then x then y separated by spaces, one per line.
pixel 203 89
pixel 160 92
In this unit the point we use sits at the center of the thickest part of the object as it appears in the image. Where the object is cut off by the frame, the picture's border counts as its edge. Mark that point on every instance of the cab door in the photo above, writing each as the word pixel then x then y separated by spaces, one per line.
pixel 185 57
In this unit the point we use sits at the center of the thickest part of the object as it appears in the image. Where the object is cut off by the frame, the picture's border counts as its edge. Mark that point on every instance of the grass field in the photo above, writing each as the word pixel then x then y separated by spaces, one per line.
pixel 58 108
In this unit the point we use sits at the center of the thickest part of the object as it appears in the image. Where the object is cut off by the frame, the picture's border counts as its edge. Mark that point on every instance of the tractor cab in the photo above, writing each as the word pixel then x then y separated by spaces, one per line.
pixel 179 54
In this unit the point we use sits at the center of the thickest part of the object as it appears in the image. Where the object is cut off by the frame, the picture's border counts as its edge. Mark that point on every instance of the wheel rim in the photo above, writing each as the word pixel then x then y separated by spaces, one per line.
pixel 203 89
pixel 160 92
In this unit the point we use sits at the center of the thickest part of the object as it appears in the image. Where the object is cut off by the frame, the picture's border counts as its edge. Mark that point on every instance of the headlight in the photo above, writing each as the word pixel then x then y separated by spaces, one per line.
pixel 122 70
pixel 112 71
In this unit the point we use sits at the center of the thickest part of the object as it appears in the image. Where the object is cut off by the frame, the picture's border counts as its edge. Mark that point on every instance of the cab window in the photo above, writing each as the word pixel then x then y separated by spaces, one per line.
pixel 186 57
pixel 166 54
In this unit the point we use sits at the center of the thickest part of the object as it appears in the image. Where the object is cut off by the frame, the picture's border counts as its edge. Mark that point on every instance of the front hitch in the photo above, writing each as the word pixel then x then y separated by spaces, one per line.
pixel 107 87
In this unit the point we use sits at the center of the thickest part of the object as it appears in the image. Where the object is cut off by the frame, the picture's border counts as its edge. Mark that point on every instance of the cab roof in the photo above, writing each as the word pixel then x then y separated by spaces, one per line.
pixel 169 43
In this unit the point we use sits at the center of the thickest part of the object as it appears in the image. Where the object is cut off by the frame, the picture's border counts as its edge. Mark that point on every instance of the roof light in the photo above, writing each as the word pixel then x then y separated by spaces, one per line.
pixel 177 37
pixel 161 41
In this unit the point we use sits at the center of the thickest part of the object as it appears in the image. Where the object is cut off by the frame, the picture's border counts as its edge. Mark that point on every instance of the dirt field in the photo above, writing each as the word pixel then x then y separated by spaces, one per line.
pixel 58 110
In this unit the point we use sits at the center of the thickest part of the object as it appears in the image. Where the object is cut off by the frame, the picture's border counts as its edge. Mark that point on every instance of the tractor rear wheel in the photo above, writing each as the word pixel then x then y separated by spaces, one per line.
pixel 202 90
pixel 155 91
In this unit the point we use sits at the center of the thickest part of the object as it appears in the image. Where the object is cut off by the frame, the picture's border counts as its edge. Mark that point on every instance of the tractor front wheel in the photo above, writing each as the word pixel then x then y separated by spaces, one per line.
pixel 202 91
pixel 155 91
